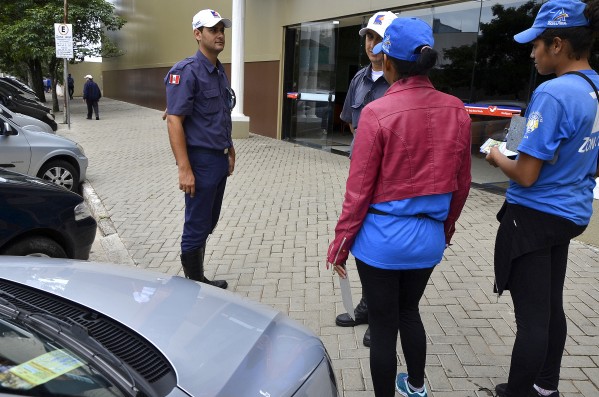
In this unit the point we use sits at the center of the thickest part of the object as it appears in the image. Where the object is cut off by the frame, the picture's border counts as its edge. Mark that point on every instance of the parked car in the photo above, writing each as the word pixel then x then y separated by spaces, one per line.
pixel 42 219
pixel 90 329
pixel 18 84
pixel 27 122
pixel 25 108
pixel 48 156
pixel 30 99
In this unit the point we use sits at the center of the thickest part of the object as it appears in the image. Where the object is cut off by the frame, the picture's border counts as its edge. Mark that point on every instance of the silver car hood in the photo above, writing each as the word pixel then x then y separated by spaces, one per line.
pixel 219 343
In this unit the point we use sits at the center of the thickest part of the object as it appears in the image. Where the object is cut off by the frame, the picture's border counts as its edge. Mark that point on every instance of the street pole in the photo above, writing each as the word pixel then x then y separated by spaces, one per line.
pixel 65 84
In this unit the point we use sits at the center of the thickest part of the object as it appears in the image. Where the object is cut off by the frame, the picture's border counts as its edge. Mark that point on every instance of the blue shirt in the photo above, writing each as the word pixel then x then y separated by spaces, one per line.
pixel 198 90
pixel 562 121
pixel 362 90
pixel 402 241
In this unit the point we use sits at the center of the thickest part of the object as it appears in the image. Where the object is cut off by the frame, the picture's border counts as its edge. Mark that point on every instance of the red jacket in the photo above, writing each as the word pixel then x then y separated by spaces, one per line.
pixel 414 141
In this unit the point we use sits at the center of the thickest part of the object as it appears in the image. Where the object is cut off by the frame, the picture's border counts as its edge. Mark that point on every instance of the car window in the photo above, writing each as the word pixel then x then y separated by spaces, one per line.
pixel 32 365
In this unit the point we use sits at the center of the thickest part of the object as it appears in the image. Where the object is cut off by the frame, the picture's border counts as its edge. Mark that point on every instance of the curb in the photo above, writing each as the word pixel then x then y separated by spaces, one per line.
pixel 114 248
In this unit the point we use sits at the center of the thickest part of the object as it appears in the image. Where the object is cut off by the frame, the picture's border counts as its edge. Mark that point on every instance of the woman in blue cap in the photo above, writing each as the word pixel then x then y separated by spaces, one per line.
pixel 409 178
pixel 549 200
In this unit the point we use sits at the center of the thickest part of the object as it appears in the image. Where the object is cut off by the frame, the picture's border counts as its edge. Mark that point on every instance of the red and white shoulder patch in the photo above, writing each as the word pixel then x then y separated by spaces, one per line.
pixel 174 79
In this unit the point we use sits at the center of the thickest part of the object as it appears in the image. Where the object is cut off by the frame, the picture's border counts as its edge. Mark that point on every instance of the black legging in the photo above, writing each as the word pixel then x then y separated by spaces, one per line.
pixel 393 297
pixel 536 285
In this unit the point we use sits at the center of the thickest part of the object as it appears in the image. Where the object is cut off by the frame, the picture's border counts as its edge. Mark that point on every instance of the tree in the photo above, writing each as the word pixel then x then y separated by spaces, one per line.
pixel 503 66
pixel 27 37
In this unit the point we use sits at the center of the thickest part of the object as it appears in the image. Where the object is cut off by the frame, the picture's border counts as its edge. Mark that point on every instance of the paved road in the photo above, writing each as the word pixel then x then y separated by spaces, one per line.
pixel 279 212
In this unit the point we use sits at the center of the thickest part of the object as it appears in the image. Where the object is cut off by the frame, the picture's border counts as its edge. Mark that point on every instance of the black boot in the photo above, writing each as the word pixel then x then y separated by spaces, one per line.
pixel 190 260
pixel 360 315
pixel 217 283
pixel 193 268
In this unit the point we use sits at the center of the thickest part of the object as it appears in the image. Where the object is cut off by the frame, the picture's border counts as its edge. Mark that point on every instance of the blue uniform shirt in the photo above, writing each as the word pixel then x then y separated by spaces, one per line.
pixel 198 90
pixel 362 90
pixel 562 121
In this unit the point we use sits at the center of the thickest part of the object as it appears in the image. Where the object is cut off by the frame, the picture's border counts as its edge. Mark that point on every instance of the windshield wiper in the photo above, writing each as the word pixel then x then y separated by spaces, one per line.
pixel 74 336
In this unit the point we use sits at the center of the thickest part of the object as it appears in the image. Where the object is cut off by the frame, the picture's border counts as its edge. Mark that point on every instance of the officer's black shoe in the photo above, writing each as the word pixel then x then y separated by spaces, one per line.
pixel 217 283
pixel 366 340
pixel 360 315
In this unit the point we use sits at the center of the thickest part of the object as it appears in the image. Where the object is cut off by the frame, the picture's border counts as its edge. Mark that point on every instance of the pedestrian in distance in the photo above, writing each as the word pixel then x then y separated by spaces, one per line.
pixel 91 96
pixel 71 86
pixel 367 85
pixel 199 103
pixel 407 184
pixel 549 199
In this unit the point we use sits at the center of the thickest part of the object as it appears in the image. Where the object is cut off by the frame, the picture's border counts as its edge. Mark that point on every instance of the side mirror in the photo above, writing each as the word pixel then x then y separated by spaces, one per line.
pixel 6 129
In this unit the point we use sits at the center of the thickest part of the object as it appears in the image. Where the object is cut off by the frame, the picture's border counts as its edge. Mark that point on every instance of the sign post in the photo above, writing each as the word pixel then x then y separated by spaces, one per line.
pixel 63 36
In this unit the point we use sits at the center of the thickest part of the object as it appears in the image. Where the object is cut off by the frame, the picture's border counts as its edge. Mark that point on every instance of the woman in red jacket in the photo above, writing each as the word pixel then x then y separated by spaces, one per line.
pixel 408 181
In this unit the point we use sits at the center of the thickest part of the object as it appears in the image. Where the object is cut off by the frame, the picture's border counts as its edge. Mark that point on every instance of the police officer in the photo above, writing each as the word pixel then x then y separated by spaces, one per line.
pixel 199 102
pixel 367 85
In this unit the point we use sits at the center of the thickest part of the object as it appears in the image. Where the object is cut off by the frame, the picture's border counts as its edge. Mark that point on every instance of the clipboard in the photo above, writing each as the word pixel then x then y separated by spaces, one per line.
pixel 515 133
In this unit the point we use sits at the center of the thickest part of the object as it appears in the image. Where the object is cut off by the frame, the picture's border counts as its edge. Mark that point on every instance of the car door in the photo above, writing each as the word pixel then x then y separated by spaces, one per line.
pixel 15 152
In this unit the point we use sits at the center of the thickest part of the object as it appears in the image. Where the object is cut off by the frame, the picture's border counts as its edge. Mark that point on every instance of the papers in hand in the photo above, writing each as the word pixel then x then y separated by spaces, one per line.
pixel 501 145
pixel 348 304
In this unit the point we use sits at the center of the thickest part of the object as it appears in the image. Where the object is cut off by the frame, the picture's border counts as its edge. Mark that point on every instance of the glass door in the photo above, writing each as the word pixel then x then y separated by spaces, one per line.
pixel 310 88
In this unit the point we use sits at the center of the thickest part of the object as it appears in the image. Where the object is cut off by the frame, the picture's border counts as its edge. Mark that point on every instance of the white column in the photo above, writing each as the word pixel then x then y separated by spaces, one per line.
pixel 241 123
pixel 237 54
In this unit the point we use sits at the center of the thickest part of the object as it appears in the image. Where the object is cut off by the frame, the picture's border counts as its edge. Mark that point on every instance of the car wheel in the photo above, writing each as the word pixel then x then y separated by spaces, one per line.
pixel 36 246
pixel 62 173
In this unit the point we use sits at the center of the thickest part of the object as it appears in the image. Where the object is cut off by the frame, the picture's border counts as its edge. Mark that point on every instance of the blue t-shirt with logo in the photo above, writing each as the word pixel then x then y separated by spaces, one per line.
pixel 401 240
pixel 562 128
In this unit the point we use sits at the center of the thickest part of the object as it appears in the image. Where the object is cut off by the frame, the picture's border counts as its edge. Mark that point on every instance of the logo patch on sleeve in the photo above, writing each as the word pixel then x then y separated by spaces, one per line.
pixel 174 79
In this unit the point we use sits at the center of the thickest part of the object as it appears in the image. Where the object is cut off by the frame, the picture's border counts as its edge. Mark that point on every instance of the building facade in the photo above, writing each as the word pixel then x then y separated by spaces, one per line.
pixel 300 56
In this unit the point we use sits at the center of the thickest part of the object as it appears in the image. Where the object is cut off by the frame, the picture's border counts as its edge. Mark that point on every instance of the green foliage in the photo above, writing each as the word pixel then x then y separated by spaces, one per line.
pixel 27 34
pixel 503 66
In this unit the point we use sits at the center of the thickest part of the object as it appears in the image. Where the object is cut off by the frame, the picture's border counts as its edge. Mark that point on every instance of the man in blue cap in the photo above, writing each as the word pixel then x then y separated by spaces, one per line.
pixel 366 86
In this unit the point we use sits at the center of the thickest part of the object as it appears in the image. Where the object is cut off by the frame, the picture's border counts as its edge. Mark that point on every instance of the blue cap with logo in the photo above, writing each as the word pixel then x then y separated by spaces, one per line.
pixel 555 14
pixel 404 37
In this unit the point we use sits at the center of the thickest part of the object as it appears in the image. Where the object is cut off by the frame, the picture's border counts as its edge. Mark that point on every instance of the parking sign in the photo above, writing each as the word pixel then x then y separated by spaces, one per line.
pixel 63 36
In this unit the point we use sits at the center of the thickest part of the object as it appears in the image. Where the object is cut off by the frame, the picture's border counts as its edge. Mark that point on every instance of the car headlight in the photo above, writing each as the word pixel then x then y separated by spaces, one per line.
pixel 82 211
pixel 80 149
pixel 50 116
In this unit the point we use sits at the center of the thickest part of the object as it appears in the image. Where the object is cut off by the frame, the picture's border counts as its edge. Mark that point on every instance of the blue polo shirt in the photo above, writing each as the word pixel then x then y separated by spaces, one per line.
pixel 198 90
pixel 562 125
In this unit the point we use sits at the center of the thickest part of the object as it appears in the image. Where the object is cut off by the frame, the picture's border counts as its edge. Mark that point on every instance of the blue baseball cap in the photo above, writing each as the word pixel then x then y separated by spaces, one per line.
pixel 403 37
pixel 555 14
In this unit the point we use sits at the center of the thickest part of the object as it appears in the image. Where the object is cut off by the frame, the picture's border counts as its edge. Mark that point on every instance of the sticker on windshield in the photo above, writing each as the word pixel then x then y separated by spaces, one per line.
pixel 40 370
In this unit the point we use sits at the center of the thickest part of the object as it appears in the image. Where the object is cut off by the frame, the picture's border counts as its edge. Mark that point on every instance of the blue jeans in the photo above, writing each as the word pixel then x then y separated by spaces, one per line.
pixel 210 169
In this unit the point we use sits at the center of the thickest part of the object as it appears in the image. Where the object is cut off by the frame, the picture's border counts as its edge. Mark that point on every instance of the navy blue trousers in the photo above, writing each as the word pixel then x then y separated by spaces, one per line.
pixel 210 169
